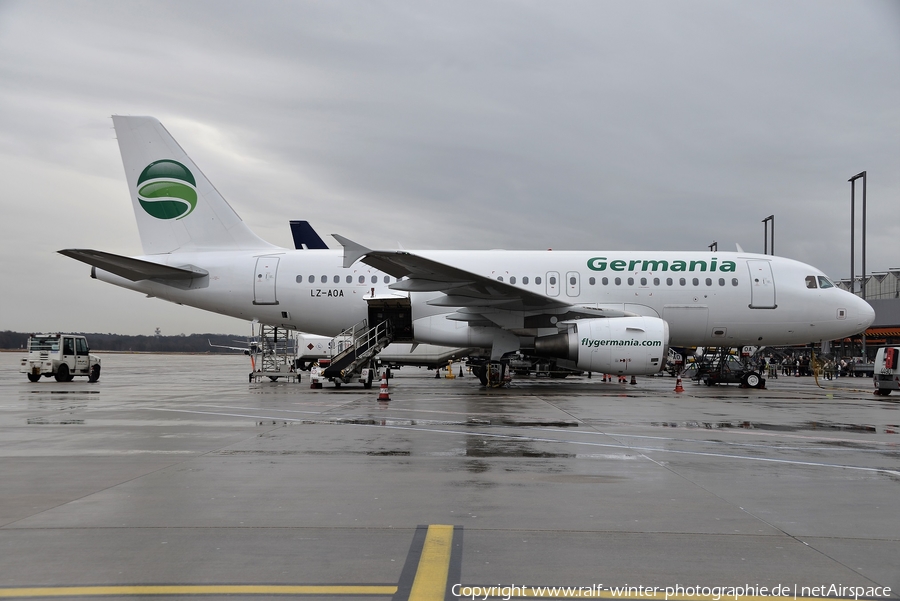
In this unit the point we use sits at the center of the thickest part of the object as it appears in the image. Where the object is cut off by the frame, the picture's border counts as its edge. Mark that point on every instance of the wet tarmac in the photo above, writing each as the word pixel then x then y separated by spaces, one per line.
pixel 174 476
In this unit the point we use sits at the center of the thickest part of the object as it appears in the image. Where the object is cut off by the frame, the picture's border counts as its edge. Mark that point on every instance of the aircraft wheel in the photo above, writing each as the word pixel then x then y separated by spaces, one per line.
pixel 481 373
pixel 62 374
pixel 95 373
pixel 878 391
pixel 752 379
pixel 34 377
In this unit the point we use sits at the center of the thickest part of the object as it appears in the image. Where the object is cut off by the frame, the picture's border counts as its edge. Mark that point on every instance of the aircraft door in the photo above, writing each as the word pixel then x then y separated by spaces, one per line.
pixel 552 283
pixel 573 283
pixel 762 285
pixel 264 281
pixel 398 311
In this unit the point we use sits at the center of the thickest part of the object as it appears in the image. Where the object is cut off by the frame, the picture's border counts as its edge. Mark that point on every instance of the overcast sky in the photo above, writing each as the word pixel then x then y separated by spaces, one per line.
pixel 564 125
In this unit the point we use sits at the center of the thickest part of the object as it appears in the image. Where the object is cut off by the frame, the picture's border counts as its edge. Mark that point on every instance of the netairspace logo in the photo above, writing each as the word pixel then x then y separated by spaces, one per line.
pixel 167 190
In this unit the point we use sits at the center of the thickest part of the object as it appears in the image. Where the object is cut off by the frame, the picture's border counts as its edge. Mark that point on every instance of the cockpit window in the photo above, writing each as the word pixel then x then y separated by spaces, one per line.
pixel 811 281
pixel 825 282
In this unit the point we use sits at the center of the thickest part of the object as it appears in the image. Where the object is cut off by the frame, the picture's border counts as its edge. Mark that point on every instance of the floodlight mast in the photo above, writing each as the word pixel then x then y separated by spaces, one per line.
pixel 766 225
pixel 862 283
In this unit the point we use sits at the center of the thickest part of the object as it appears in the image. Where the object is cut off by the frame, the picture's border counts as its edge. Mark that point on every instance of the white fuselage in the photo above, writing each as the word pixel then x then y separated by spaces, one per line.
pixel 709 299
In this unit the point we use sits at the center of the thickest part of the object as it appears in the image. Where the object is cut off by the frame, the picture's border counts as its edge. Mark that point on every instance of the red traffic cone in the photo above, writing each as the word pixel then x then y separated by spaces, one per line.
pixel 678 386
pixel 383 393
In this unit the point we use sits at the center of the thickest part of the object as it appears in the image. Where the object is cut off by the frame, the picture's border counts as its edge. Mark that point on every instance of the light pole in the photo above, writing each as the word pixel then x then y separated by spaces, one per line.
pixel 766 250
pixel 862 285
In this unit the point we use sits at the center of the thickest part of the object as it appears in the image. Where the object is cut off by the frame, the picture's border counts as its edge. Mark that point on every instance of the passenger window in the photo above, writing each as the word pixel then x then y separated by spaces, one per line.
pixel 605 281
pixel 349 279
pixel 312 279
pixel 811 281
pixel 643 281
pixel 709 281
pixel 324 279
pixel 299 279
pixel 362 279
pixel 682 282
pixel 825 282
pixel 618 281
pixel 374 279
pixel 721 281
pixel 695 282
pixel 512 279
pixel 631 281
pixel 337 279
pixel 552 280
pixel 537 280
pixel 572 281
pixel 656 281
pixel 499 278
pixel 669 281
pixel 387 279
pixel 525 279
pixel 734 281
pixel 592 281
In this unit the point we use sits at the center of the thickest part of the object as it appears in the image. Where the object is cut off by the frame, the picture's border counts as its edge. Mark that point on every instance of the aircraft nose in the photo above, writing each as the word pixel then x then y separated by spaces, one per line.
pixel 866 313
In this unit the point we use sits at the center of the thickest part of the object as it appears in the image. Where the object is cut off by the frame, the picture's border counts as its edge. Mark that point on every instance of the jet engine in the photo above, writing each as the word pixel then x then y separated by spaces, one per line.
pixel 615 345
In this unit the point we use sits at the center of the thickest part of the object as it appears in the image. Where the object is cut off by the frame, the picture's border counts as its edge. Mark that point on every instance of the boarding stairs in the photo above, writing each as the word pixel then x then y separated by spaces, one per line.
pixel 272 355
pixel 356 346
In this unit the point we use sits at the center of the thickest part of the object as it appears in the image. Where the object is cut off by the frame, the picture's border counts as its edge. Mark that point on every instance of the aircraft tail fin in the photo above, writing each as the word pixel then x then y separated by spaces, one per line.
pixel 176 207
pixel 305 237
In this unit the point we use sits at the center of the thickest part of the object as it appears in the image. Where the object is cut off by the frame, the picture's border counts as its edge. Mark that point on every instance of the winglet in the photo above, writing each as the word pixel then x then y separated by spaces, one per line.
pixel 739 249
pixel 353 252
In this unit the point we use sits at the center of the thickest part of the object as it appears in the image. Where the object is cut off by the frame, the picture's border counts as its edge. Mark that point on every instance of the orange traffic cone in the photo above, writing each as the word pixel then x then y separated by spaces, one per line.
pixel 678 386
pixel 383 393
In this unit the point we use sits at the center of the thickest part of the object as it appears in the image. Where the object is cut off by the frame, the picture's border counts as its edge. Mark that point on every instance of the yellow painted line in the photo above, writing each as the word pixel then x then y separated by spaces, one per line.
pixel 430 583
pixel 225 589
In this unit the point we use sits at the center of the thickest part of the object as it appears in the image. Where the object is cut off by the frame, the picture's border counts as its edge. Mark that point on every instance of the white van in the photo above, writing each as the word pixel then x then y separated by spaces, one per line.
pixel 887 370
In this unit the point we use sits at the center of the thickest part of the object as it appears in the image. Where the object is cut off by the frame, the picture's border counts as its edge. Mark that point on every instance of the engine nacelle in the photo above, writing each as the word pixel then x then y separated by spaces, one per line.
pixel 615 345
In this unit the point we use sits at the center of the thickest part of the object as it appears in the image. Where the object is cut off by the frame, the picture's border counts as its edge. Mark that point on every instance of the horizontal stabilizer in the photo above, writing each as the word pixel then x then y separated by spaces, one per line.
pixel 132 269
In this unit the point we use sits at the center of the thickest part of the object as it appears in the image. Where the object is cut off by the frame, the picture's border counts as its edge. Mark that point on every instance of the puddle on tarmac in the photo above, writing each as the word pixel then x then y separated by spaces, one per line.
pixel 803 426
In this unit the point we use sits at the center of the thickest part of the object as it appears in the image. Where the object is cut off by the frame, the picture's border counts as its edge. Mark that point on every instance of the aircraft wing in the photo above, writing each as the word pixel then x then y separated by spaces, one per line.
pixel 243 349
pixel 464 289
pixel 132 269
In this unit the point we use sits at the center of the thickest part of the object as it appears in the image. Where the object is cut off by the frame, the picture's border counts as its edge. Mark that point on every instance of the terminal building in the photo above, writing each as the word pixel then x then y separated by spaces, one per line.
pixel 882 291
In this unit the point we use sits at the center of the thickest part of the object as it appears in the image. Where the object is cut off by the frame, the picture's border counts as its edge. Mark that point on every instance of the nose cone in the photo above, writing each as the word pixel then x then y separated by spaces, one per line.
pixel 865 312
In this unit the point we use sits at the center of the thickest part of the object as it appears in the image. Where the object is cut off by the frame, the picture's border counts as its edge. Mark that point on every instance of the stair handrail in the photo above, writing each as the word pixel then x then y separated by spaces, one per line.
pixel 368 338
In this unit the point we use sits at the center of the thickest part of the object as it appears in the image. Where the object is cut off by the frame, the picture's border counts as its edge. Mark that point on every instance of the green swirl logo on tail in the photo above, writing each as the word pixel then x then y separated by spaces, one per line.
pixel 167 190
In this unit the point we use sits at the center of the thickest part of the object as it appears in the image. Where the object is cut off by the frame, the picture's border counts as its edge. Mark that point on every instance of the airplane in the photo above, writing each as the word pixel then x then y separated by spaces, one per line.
pixel 606 311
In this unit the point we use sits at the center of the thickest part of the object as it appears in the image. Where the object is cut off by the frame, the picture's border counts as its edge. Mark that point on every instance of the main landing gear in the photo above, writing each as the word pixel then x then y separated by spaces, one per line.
pixel 492 374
